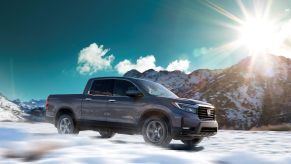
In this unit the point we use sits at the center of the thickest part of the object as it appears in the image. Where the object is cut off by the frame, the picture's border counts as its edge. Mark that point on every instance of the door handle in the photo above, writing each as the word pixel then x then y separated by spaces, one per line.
pixel 107 114
pixel 88 99
pixel 111 100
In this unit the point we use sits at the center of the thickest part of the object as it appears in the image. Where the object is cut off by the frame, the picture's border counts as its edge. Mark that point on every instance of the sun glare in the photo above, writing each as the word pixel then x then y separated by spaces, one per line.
pixel 258 30
pixel 257 35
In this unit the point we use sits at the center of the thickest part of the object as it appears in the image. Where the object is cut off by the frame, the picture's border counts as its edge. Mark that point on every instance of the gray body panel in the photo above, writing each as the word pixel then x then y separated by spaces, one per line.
pixel 124 111
pixel 94 108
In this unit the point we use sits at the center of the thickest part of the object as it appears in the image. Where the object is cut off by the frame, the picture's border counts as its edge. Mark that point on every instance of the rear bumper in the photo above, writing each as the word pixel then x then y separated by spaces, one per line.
pixel 202 129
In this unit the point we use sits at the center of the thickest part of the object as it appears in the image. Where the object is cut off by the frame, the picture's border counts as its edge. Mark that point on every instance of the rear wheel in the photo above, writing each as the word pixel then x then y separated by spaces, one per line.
pixel 192 143
pixel 156 131
pixel 106 133
pixel 66 125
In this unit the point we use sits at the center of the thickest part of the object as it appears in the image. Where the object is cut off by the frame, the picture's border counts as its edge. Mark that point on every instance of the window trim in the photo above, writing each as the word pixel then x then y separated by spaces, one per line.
pixel 93 80
pixel 127 81
pixel 91 86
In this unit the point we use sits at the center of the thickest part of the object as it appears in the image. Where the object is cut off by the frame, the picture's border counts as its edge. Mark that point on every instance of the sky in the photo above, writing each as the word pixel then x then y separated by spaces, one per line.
pixel 54 47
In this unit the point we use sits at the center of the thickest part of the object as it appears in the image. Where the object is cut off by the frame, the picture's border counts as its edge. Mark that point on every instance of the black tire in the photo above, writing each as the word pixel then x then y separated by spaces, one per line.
pixel 156 131
pixel 192 143
pixel 70 127
pixel 106 133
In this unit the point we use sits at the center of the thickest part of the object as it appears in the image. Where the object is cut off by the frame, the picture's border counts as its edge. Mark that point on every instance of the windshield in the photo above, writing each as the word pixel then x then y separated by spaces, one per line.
pixel 156 89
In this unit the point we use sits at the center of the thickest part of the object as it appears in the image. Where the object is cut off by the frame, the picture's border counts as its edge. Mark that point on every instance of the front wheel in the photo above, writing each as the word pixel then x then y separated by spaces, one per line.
pixel 66 125
pixel 156 131
pixel 192 143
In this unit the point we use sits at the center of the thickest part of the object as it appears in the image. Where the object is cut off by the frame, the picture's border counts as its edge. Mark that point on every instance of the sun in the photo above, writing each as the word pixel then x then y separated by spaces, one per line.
pixel 259 29
pixel 258 35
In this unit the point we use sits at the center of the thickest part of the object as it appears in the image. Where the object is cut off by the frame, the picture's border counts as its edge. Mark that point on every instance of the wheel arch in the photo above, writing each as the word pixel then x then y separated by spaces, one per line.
pixel 65 110
pixel 154 112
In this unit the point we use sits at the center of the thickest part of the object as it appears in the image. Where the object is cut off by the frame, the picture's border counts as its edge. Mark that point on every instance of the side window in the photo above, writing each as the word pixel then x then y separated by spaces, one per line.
pixel 102 87
pixel 121 86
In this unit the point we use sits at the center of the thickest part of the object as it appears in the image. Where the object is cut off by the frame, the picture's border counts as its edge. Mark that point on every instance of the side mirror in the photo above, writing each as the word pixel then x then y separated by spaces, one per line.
pixel 133 93
pixel 89 92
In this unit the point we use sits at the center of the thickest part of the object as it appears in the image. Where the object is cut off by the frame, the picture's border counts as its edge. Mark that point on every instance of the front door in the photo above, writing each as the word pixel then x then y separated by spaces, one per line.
pixel 94 107
pixel 123 110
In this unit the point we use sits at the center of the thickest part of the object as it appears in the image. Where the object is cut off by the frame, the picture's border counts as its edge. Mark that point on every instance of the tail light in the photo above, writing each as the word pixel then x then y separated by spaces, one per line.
pixel 46 104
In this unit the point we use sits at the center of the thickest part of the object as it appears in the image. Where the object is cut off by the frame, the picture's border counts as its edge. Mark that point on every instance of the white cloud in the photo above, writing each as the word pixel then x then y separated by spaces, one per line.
pixel 181 65
pixel 142 64
pixel 149 62
pixel 92 59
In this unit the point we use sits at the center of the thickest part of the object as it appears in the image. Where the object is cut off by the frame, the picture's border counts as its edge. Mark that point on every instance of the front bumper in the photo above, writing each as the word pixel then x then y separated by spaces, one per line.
pixel 204 129
pixel 189 126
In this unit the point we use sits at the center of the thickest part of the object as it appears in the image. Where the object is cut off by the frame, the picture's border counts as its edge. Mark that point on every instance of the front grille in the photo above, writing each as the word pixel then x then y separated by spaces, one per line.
pixel 203 114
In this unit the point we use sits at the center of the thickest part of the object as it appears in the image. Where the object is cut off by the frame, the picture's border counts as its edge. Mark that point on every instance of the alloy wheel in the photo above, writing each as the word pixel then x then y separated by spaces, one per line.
pixel 155 131
pixel 66 126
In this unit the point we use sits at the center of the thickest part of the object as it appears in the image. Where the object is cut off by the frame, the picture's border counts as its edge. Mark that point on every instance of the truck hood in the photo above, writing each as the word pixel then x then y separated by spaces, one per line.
pixel 191 101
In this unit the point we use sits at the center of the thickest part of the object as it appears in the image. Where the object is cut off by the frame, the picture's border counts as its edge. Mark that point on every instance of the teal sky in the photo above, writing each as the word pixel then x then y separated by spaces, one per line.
pixel 40 41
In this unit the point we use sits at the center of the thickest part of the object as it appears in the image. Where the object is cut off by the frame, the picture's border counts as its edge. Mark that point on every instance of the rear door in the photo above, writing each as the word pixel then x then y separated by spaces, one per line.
pixel 94 108
pixel 122 109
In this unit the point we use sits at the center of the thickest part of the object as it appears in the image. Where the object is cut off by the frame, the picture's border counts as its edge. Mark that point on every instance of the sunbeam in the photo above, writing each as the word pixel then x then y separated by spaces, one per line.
pixel 257 30
pixel 223 12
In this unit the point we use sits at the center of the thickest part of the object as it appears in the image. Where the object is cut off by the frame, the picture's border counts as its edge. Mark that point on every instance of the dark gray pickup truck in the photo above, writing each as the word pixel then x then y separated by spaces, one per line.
pixel 124 105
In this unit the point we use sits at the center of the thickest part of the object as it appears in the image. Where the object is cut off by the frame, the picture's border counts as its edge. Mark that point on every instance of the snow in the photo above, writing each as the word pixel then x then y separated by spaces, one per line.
pixel 39 143
pixel 7 115
pixel 8 110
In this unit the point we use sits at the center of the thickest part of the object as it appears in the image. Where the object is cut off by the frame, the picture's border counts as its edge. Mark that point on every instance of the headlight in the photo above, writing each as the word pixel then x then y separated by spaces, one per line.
pixel 186 107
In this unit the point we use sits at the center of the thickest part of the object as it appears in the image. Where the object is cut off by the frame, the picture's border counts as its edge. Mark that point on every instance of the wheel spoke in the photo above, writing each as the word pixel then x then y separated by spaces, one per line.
pixel 158 135
pixel 151 131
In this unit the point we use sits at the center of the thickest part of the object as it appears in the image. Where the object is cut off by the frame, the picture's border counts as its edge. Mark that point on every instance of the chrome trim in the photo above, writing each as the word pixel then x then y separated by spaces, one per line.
pixel 111 100
pixel 206 106
pixel 189 105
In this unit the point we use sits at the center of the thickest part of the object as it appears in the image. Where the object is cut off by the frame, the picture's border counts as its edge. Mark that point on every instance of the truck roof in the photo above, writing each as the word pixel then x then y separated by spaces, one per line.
pixel 132 79
pixel 116 77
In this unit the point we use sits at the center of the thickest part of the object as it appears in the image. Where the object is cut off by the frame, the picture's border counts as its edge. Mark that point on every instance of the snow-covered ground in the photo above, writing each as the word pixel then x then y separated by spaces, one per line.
pixel 39 143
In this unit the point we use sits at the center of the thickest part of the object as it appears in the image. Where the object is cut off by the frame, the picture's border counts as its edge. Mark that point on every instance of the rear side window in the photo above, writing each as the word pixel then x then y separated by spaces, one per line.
pixel 102 87
pixel 121 86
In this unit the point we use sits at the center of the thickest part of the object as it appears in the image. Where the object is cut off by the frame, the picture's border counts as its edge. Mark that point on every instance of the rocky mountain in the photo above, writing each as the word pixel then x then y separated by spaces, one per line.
pixel 254 92
pixel 184 85
pixel 8 110
pixel 34 110
pixel 29 105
